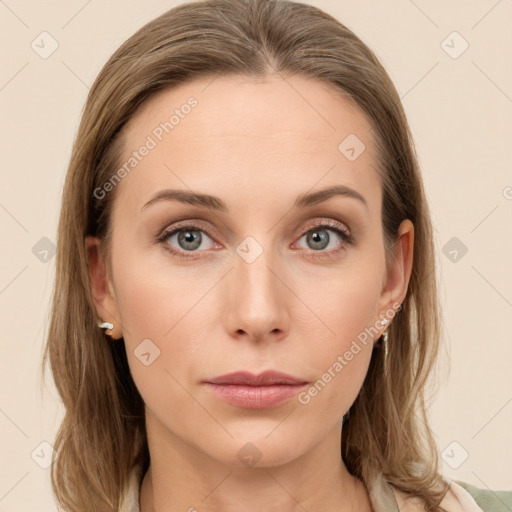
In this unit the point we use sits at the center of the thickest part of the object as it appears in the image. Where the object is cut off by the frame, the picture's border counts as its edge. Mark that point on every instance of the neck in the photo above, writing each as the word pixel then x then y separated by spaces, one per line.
pixel 182 478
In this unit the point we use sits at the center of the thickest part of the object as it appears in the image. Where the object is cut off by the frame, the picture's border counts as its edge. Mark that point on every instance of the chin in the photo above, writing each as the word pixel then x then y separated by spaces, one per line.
pixel 259 450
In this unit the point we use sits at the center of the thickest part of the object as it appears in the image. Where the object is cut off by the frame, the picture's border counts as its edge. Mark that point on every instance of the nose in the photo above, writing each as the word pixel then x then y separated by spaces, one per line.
pixel 258 302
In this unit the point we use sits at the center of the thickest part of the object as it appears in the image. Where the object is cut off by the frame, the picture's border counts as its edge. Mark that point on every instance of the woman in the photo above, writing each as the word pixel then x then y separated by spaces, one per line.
pixel 244 217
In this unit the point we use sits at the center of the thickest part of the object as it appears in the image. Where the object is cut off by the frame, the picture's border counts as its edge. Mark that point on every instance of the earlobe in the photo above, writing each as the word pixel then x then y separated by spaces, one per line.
pixel 101 289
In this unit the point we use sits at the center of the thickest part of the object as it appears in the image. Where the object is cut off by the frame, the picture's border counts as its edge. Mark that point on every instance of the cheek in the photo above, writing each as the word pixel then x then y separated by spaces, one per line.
pixel 339 340
pixel 159 318
pixel 154 295
pixel 342 307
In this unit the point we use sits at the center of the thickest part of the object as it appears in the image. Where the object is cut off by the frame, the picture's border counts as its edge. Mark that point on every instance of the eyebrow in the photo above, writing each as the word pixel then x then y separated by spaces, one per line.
pixel 215 203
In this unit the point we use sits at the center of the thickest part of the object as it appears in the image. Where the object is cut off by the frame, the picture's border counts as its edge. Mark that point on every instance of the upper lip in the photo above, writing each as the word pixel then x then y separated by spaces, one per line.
pixel 266 378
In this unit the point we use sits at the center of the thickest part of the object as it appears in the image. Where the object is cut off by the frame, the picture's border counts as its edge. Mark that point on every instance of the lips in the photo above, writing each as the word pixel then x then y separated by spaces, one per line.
pixel 267 378
pixel 248 391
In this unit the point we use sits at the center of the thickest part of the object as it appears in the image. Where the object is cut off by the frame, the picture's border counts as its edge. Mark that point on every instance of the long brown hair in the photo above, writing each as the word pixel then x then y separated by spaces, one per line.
pixel 102 435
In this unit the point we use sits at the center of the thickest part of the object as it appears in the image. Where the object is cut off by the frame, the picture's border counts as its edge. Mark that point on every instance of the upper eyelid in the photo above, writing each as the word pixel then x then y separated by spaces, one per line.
pixel 327 223
pixel 182 225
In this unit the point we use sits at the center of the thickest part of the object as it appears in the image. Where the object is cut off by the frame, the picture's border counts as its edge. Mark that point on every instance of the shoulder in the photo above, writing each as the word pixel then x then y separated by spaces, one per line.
pixel 462 497
pixel 487 499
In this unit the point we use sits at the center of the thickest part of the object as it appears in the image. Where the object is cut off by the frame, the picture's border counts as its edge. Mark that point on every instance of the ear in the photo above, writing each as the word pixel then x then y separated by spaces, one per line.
pixel 397 277
pixel 101 287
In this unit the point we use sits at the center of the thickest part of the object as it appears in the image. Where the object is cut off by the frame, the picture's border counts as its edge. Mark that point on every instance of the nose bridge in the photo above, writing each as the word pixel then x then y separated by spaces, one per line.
pixel 256 292
pixel 253 268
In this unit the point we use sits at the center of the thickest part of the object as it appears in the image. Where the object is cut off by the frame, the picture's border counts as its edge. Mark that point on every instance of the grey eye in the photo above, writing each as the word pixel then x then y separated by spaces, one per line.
pixel 318 239
pixel 189 240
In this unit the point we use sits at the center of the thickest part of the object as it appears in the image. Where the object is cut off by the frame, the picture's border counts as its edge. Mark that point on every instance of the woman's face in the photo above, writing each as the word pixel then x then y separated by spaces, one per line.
pixel 259 278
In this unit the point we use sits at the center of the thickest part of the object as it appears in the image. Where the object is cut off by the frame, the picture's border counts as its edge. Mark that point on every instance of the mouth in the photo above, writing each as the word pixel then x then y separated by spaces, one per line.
pixel 248 391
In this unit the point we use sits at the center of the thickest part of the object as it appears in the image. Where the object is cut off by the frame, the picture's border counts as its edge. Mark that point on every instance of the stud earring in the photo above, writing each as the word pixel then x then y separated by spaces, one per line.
pixel 384 336
pixel 107 326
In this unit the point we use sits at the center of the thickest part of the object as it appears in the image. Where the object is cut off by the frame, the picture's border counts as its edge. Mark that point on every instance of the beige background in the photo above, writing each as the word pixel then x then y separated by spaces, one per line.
pixel 459 110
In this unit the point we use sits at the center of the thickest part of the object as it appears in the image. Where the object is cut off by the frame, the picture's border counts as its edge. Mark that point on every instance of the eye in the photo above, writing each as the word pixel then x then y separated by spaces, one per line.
pixel 188 238
pixel 318 239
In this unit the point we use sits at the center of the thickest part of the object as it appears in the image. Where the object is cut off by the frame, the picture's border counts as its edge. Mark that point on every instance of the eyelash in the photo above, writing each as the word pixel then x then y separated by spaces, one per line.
pixel 332 225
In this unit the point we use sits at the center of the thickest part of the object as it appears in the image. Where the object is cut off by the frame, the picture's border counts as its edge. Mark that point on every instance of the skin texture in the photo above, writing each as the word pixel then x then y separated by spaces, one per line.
pixel 257 145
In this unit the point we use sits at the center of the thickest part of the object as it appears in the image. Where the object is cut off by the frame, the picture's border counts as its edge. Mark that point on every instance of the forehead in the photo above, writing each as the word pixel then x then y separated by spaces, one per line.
pixel 244 139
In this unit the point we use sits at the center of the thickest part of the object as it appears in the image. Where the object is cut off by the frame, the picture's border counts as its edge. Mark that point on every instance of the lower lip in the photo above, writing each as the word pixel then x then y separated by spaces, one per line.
pixel 254 397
